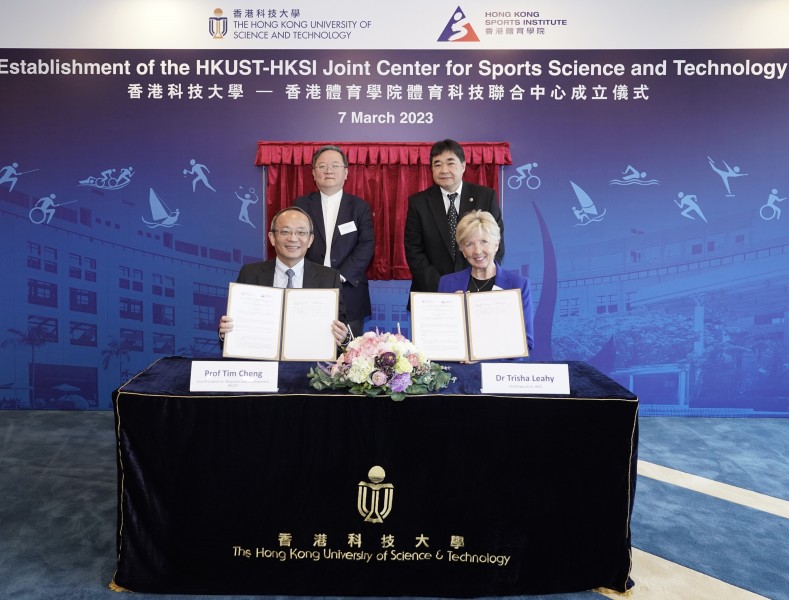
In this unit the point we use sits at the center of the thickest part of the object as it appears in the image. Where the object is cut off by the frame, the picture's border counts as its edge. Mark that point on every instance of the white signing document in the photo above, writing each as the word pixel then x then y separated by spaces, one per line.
pixel 469 327
pixel 496 325
pixel 306 331
pixel 257 321
pixel 438 325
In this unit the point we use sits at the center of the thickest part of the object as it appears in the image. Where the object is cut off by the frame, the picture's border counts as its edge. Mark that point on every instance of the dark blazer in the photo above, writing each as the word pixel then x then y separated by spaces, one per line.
pixel 350 253
pixel 458 281
pixel 315 276
pixel 428 248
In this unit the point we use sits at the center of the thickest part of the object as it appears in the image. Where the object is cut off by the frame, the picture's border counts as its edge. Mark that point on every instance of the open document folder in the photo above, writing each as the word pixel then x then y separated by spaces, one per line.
pixel 467 326
pixel 281 324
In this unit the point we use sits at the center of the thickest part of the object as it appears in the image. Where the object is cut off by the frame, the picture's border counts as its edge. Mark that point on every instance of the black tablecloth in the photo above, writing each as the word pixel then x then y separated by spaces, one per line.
pixel 266 493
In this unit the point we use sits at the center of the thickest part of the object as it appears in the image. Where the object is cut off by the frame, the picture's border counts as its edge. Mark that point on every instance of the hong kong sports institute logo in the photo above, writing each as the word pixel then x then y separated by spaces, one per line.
pixel 458 29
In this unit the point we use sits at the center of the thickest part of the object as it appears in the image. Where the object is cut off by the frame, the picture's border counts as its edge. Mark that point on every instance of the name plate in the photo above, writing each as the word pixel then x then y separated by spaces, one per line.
pixel 525 378
pixel 234 376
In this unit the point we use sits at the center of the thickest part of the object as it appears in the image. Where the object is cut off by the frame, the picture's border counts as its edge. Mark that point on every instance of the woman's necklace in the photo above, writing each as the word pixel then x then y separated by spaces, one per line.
pixel 485 283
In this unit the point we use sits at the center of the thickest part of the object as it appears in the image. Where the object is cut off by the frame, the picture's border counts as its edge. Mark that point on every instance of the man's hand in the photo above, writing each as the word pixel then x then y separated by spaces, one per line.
pixel 340 332
pixel 225 326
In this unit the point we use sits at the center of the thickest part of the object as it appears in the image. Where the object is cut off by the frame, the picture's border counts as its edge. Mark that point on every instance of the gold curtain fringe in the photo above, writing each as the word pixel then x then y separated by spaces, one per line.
pixel 116 588
pixel 627 594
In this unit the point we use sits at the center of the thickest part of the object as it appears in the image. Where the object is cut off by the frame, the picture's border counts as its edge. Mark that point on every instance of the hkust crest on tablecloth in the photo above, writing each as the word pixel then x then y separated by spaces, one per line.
pixel 375 498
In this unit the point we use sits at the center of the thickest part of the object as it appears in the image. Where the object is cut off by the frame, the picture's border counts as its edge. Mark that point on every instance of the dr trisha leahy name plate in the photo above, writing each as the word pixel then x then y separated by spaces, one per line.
pixel 520 378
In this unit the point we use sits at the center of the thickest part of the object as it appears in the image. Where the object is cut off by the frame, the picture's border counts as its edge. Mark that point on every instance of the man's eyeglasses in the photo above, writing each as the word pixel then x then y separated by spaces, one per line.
pixel 302 233
pixel 323 168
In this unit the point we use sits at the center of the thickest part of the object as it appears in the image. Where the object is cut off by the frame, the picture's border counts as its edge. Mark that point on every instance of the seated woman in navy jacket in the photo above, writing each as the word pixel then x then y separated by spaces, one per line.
pixel 478 237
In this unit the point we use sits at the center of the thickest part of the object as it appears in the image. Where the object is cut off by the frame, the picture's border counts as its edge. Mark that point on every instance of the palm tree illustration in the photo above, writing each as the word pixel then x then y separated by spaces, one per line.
pixel 192 351
pixel 116 349
pixel 35 337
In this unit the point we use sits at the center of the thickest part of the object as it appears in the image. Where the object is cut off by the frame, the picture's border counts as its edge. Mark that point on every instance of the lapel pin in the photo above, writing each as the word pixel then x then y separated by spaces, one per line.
pixel 471 199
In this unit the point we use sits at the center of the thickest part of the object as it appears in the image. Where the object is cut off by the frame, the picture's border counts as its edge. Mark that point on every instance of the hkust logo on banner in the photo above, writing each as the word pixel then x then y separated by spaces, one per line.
pixel 374 499
pixel 217 25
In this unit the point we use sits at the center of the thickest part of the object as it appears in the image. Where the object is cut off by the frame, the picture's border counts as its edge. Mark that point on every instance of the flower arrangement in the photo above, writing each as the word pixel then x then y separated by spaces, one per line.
pixel 381 364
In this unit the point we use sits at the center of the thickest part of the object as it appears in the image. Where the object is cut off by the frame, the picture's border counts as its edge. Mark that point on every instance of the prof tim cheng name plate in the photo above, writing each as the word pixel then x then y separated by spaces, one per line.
pixel 234 376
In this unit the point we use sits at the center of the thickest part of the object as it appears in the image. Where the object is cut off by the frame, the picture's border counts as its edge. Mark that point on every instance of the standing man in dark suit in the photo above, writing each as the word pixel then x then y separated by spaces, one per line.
pixel 430 247
pixel 344 235
pixel 291 235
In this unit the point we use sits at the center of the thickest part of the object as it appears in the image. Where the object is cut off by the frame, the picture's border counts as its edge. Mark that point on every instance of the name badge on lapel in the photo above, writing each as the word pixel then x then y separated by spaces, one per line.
pixel 348 227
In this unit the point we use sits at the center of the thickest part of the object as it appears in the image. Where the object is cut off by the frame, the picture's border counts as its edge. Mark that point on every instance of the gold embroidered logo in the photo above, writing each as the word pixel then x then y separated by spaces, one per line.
pixel 375 498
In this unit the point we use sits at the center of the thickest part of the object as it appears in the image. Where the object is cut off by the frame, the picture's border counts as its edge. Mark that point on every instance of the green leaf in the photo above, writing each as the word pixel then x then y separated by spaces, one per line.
pixel 416 389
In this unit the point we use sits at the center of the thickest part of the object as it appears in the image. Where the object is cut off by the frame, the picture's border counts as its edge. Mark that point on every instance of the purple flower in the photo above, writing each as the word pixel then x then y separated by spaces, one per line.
pixel 400 382
pixel 378 378
pixel 387 359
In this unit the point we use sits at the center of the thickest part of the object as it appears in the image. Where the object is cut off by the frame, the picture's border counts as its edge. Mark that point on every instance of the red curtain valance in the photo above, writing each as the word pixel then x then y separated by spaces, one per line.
pixel 378 153
pixel 384 174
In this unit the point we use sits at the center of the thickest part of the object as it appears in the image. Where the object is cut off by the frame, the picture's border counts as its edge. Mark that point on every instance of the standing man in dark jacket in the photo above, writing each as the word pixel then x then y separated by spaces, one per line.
pixel 430 247
pixel 344 234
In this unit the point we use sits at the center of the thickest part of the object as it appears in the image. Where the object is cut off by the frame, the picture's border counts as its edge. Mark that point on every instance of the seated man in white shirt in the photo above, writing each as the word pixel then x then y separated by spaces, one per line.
pixel 291 235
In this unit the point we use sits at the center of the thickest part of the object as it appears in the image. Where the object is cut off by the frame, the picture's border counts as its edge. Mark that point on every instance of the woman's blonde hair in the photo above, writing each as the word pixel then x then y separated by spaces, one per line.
pixel 477 221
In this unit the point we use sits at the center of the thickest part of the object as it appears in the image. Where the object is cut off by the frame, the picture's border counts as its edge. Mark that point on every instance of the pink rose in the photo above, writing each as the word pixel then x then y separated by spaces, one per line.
pixel 378 378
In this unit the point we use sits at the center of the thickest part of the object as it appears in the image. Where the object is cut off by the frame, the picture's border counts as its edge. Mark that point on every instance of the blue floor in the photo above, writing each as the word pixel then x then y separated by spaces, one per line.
pixel 57 504
pixel 747 453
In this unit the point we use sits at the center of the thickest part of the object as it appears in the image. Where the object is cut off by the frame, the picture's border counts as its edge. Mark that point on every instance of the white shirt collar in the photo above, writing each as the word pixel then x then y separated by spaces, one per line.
pixel 457 200
pixel 333 198
pixel 280 275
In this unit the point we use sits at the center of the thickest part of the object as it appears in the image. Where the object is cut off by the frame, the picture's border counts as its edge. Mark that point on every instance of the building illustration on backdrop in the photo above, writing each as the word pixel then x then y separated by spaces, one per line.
pixel 688 312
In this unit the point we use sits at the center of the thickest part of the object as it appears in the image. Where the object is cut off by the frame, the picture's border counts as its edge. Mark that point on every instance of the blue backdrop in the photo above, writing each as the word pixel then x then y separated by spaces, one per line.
pixel 645 207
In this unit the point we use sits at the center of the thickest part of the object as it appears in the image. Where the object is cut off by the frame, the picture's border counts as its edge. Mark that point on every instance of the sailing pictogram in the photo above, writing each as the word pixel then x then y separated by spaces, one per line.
pixel 162 216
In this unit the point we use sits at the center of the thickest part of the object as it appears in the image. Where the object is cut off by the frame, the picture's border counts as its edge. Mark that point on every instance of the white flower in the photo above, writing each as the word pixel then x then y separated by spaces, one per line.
pixel 361 369
pixel 403 365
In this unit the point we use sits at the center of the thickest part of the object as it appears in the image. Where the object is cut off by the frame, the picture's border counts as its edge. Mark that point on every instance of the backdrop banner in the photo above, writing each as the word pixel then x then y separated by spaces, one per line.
pixel 642 194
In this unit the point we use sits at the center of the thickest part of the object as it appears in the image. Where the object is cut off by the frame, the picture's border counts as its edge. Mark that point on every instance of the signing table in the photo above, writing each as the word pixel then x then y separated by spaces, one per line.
pixel 471 494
